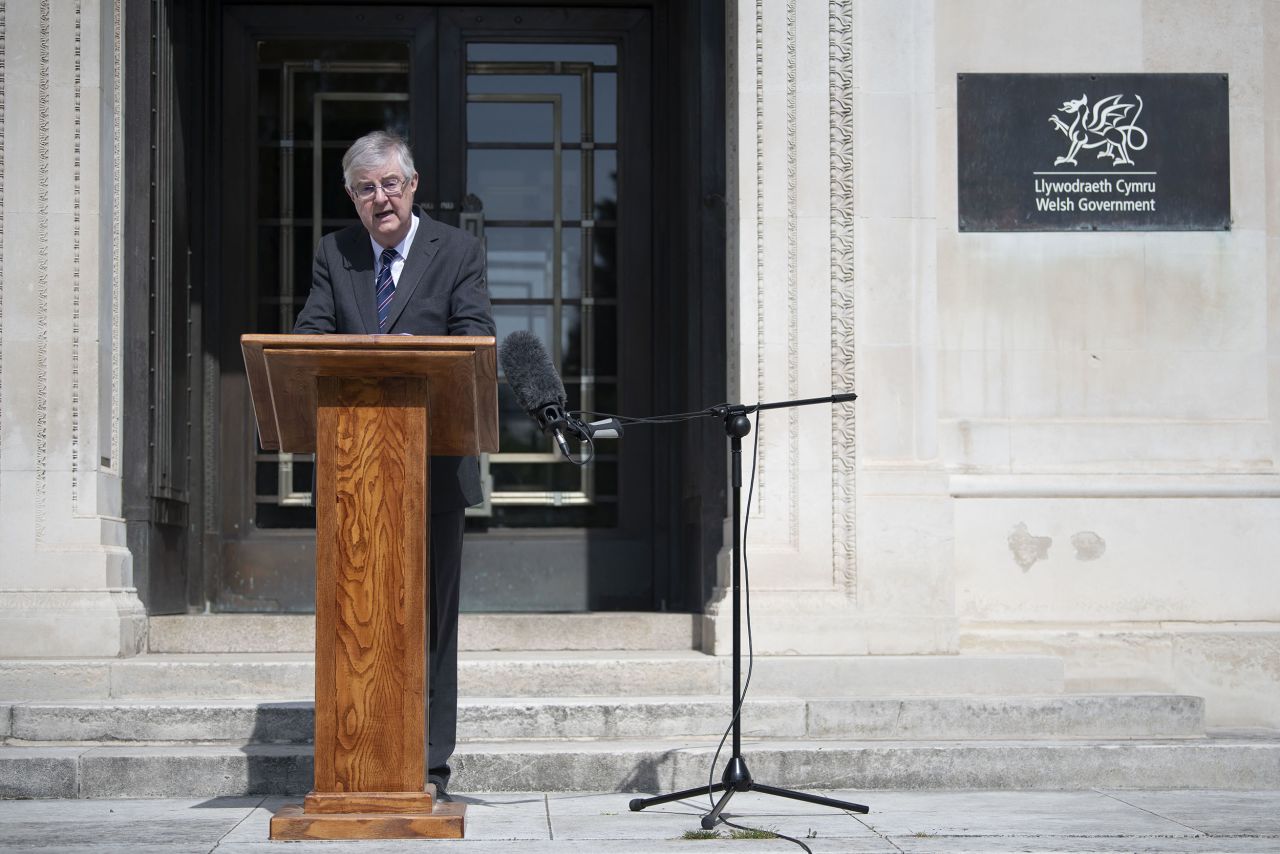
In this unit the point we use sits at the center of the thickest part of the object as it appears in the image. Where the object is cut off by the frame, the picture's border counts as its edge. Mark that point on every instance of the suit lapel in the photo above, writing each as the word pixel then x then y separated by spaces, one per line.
pixel 426 242
pixel 357 254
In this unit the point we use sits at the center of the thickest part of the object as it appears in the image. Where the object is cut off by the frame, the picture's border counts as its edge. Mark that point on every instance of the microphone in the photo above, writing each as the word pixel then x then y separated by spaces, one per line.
pixel 536 384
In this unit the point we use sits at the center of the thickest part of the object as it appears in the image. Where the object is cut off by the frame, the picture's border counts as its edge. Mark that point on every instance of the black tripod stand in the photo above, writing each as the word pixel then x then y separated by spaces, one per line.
pixel 736 777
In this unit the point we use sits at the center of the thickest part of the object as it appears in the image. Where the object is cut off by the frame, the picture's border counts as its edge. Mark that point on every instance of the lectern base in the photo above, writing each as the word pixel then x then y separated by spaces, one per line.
pixel 445 821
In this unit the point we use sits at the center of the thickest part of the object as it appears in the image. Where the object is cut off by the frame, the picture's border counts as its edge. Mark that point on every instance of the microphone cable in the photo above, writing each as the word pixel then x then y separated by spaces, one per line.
pixel 677 418
pixel 746 586
pixel 725 821
pixel 674 418
pixel 746 683
pixel 746 574
pixel 751 655
pixel 584 436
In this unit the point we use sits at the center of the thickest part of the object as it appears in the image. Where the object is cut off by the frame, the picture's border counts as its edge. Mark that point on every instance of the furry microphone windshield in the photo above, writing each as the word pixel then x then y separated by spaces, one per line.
pixel 529 370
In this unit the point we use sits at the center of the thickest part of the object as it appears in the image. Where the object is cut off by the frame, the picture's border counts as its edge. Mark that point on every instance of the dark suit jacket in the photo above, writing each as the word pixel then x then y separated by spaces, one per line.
pixel 441 292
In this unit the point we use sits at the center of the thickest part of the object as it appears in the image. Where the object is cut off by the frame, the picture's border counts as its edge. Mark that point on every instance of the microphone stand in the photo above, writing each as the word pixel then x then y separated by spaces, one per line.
pixel 736 777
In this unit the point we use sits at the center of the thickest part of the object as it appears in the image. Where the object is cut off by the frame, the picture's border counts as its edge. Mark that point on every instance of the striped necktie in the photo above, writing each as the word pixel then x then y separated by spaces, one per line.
pixel 385 287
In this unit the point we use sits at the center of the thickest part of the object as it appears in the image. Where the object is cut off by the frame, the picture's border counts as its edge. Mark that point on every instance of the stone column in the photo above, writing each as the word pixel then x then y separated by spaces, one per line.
pixel 65 577
pixel 849 539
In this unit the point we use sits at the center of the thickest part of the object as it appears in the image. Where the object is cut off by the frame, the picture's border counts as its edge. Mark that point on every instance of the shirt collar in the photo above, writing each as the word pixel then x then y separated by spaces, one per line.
pixel 402 248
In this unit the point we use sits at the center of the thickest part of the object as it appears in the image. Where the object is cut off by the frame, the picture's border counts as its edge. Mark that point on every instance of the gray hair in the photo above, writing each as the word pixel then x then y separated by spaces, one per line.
pixel 371 150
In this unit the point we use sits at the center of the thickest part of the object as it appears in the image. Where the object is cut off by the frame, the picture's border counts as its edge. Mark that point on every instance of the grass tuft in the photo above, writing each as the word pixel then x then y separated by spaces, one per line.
pixel 735 833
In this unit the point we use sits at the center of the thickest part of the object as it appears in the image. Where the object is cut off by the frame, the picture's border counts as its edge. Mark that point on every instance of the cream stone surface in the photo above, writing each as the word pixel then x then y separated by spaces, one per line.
pixel 1140 446
pixel 1155 559
pixel 885 418
pixel 894 53
pixel 945 169
pixel 1208 36
pixel 1127 382
pixel 1017 36
pixel 71 623
pixel 887 269
pixel 1064 444
pixel 1236 669
pixel 1133 658
pixel 1271 157
pixel 913 576
pixel 1231 665
pixel 1248 196
pixel 21 47
pixel 66 580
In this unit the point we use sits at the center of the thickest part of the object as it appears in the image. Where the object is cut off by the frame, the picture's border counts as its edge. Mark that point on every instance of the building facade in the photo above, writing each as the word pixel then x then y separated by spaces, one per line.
pixel 1064 442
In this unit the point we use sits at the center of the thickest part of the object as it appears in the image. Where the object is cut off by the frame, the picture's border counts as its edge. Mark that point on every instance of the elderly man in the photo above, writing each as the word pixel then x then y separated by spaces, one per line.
pixel 399 271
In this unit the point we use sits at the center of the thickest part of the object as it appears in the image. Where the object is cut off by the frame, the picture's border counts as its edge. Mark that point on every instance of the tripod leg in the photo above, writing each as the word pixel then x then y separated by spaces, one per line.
pixel 638 804
pixel 812 799
pixel 709 820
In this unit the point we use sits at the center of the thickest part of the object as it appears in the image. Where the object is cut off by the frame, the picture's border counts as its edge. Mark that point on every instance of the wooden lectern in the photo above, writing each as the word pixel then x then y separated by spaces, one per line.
pixel 372 408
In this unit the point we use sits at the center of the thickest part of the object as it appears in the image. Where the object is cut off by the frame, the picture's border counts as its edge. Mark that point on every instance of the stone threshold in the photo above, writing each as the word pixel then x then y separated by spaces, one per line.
pixel 564 718
pixel 89 771
pixel 476 632
pixel 610 673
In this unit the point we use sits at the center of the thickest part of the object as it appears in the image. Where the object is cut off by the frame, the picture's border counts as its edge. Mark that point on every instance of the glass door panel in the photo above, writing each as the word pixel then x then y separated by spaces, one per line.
pixel 532 186
pixel 314 99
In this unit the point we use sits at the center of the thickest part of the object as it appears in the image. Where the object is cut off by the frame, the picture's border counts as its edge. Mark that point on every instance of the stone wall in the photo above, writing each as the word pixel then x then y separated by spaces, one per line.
pixel 65 573
pixel 1064 443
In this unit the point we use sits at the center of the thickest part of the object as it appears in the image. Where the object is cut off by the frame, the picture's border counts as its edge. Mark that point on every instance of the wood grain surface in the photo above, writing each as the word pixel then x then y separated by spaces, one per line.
pixel 282 369
pixel 371 547
pixel 370 802
pixel 452 391
pixel 365 405
pixel 448 821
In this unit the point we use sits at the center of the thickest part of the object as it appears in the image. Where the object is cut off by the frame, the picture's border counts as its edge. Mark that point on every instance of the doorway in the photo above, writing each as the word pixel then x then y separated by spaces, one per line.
pixel 532 128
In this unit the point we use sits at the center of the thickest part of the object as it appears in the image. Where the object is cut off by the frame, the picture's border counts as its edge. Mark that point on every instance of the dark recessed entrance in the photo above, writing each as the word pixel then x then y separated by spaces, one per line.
pixel 574 142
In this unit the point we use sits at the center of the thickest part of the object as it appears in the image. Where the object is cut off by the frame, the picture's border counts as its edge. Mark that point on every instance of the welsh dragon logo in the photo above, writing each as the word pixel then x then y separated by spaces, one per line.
pixel 1105 125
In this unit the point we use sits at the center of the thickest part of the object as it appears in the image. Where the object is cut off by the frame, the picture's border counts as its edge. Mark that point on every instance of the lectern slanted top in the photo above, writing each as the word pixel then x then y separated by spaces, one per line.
pixel 463 372
pixel 372 409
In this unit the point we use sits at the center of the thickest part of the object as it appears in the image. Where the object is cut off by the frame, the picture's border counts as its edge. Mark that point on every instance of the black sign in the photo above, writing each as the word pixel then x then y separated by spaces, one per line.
pixel 1093 152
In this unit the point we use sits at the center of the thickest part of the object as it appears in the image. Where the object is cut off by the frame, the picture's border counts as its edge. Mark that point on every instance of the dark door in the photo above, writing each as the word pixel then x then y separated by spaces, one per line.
pixel 529 128
pixel 165 153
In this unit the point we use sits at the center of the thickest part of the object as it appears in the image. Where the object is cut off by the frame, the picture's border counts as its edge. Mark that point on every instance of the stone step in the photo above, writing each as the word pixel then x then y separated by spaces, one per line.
pixel 136 771
pixel 612 673
pixel 908 718
pixel 200 633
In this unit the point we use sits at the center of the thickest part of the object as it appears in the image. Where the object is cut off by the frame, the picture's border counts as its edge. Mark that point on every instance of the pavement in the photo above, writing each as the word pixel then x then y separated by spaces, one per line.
pixel 928 822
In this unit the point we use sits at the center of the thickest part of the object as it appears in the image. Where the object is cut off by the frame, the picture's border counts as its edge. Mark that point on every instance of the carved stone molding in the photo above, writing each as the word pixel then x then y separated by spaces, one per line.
pixel 1097 486
pixel 792 250
pixel 793 292
pixel 42 275
pixel 98 623
pixel 64 599
pixel 117 233
pixel 761 460
pixel 71 244
pixel 75 275
pixel 3 97
pixel 844 439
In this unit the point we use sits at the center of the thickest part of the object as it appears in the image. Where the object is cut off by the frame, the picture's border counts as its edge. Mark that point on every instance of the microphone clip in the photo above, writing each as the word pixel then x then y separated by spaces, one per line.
pixel 552 419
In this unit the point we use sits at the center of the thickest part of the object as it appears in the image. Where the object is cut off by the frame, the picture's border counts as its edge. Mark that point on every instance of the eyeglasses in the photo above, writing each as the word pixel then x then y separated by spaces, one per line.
pixel 391 186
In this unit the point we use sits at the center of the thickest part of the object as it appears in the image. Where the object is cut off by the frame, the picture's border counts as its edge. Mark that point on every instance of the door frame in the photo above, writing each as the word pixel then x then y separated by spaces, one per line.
pixel 689 254
pixel 589 553
pixel 241 26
